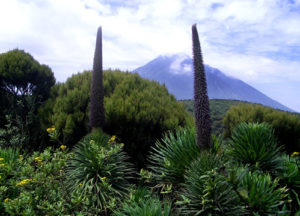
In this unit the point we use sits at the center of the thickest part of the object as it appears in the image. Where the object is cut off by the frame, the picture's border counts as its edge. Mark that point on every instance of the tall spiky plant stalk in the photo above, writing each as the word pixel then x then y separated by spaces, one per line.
pixel 97 112
pixel 201 102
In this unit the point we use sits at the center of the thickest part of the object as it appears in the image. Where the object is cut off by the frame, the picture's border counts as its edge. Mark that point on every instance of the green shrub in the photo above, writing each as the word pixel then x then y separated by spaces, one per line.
pixel 208 192
pixel 99 170
pixel 260 194
pixel 33 185
pixel 24 85
pixel 138 111
pixel 290 177
pixel 286 125
pixel 142 203
pixel 172 155
pixel 254 144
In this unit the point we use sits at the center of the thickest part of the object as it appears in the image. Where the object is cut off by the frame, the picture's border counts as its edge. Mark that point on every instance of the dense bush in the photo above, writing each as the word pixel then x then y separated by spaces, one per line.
pixel 143 203
pixel 170 157
pixel 286 125
pixel 24 85
pixel 208 192
pixel 93 179
pixel 255 145
pixel 289 177
pixel 99 170
pixel 138 111
pixel 33 185
pixel 260 193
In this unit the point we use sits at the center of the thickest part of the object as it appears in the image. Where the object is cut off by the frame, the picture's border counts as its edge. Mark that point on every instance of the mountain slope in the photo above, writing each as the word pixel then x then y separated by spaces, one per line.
pixel 175 71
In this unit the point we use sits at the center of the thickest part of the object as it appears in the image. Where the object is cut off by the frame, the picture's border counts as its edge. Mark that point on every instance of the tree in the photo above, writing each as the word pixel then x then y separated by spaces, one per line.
pixel 201 104
pixel 137 111
pixel 21 75
pixel 97 112
pixel 24 85
pixel 286 125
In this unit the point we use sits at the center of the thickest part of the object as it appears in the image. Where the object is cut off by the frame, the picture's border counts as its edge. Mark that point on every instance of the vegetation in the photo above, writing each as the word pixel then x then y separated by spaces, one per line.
pixel 286 125
pixel 218 109
pixel 81 173
pixel 129 111
pixel 24 85
pixel 99 170
pixel 142 202
pixel 97 113
pixel 201 102
pixel 254 144
pixel 172 155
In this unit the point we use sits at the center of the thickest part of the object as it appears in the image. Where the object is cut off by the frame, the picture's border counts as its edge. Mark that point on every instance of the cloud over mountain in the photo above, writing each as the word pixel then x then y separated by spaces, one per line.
pixel 170 70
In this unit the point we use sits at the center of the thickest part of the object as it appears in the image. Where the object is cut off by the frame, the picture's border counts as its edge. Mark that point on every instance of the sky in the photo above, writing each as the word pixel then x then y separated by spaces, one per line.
pixel 257 41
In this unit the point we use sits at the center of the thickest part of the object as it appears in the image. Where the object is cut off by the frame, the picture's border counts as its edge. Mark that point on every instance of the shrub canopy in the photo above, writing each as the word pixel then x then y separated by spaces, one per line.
pixel 286 125
pixel 138 111
pixel 24 85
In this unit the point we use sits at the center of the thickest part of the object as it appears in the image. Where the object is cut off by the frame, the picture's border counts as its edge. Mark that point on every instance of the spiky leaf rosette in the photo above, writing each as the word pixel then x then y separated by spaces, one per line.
pixel 201 104
pixel 143 203
pixel 260 193
pixel 289 176
pixel 99 170
pixel 97 112
pixel 207 191
pixel 170 156
pixel 255 145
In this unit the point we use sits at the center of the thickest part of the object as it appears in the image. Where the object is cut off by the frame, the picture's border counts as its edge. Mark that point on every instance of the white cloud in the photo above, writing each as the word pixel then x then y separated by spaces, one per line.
pixel 178 67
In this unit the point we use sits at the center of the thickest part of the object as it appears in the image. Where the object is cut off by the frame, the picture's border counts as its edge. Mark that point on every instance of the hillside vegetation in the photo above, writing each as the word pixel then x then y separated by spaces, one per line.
pixel 218 109
pixel 137 111
pixel 144 158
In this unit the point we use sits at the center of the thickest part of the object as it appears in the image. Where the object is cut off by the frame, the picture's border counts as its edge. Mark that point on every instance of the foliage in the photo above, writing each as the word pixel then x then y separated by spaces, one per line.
pixel 24 85
pixel 32 185
pixel 260 193
pixel 286 125
pixel 208 192
pixel 99 169
pixel 218 109
pixel 255 145
pixel 170 157
pixel 21 74
pixel 97 113
pixel 67 108
pixel 142 203
pixel 130 113
pixel 12 135
pixel 201 102
pixel 290 177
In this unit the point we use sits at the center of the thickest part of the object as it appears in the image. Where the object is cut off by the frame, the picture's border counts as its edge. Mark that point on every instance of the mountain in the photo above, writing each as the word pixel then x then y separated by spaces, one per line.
pixel 176 72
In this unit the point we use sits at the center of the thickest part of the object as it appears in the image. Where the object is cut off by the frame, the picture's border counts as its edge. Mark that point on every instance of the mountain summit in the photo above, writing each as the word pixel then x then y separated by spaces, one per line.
pixel 176 72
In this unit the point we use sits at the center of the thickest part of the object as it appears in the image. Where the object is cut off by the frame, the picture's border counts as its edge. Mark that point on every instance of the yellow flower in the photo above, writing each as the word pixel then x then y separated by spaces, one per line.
pixel 63 147
pixel 295 154
pixel 1 159
pixel 6 200
pixel 92 141
pixel 38 159
pixel 23 182
pixel 49 130
pixel 112 139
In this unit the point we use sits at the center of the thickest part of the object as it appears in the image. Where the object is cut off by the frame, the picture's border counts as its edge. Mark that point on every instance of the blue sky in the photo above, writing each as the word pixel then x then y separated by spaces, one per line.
pixel 257 41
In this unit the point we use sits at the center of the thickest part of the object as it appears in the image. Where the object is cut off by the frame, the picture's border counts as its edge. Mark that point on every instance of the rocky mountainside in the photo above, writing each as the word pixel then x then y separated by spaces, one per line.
pixel 175 71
